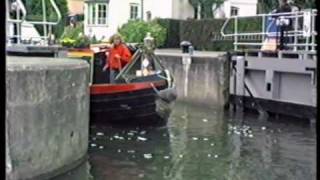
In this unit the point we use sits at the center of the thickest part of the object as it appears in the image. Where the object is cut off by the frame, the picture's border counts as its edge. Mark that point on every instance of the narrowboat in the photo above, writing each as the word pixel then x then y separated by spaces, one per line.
pixel 143 92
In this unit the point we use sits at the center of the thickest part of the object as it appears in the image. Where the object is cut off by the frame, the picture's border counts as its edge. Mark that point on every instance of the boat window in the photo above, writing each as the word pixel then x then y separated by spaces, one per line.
pixel 142 65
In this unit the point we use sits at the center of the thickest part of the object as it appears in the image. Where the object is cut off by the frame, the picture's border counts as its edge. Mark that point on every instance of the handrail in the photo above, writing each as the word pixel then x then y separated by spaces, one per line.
pixel 47 22
pixel 44 22
pixel 296 32
pixel 23 9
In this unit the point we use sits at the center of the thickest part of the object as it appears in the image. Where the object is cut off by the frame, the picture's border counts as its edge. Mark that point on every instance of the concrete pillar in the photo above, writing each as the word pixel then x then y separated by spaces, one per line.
pixel 47 116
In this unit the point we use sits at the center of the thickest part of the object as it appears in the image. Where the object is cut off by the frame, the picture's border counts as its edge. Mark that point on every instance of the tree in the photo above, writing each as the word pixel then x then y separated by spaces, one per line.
pixel 195 5
pixel 34 13
pixel 266 6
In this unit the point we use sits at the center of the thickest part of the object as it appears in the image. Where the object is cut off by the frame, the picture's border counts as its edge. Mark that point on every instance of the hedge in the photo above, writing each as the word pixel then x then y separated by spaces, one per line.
pixel 201 33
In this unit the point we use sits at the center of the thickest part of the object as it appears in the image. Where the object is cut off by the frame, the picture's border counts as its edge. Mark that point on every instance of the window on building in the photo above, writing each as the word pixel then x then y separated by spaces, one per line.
pixel 134 10
pixel 234 11
pixel 102 14
pixel 97 13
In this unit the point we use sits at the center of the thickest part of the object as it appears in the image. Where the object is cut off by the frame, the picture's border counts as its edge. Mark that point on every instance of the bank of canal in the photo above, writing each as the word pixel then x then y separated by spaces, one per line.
pixel 201 143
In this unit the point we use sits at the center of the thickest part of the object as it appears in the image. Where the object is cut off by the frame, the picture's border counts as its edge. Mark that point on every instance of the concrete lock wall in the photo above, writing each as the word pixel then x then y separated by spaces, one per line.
pixel 205 81
pixel 47 116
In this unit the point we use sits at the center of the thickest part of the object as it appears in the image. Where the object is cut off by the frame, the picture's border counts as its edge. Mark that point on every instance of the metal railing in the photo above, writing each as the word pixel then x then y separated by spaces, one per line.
pixel 47 25
pixel 303 38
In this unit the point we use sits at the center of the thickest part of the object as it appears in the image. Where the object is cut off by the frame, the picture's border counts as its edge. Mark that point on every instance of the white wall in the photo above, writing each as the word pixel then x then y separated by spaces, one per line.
pixel 182 9
pixel 246 7
pixel 119 12
pixel 158 8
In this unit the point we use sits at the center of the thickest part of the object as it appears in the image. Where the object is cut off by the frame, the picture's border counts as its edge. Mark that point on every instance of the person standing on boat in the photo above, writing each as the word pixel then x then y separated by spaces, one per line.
pixel 119 55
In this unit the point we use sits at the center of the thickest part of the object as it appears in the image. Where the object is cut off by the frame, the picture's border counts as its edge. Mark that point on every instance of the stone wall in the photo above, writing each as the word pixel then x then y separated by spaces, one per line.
pixel 205 81
pixel 47 116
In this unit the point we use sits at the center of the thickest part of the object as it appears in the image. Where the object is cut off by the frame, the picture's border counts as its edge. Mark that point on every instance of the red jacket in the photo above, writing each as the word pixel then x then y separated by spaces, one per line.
pixel 125 57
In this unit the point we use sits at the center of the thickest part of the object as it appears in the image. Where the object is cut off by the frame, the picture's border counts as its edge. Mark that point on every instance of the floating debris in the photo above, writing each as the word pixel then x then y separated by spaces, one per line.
pixel 250 136
pixel 100 134
pixel 194 138
pixel 166 157
pixel 119 150
pixel 131 151
pixel 93 145
pixel 212 144
pixel 209 155
pixel 141 138
pixel 205 139
pixel 130 134
pixel 100 147
pixel 147 156
pixel 180 156
pixel 263 128
pixel 205 120
pixel 216 156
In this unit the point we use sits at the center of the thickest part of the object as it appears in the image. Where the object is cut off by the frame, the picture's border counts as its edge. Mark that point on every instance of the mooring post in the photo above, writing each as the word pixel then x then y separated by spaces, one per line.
pixel 186 61
pixel 240 91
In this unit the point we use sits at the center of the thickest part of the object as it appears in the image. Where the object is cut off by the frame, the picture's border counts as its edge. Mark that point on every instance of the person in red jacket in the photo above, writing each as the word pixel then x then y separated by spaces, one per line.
pixel 119 56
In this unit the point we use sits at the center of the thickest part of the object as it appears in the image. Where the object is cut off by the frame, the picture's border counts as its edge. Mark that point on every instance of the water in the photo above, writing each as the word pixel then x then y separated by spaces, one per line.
pixel 201 143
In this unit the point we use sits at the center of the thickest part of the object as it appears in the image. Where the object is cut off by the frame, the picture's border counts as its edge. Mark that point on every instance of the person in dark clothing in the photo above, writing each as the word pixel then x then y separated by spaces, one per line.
pixel 284 24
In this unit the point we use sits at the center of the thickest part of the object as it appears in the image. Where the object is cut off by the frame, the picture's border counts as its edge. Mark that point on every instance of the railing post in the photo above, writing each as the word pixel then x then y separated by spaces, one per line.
pixel 44 18
pixel 236 33
pixel 313 19
pixel 18 24
pixel 263 28
pixel 295 30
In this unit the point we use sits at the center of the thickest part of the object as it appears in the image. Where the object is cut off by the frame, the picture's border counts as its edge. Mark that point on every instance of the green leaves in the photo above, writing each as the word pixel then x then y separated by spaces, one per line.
pixel 35 13
pixel 135 31
pixel 74 37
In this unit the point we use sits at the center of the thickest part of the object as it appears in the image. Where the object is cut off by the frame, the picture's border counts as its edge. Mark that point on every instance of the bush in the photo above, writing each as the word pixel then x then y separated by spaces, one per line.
pixel 136 31
pixel 74 37
pixel 173 32
pixel 201 33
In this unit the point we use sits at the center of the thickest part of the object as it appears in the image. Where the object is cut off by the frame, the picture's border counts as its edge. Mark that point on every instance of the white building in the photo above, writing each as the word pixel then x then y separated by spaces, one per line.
pixel 104 17
pixel 236 8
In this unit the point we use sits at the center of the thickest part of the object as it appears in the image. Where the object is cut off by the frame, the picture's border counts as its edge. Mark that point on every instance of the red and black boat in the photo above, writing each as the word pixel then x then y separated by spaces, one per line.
pixel 143 93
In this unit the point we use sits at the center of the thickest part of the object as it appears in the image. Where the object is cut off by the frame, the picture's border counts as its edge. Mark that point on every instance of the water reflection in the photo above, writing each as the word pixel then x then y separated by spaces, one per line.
pixel 204 143
pixel 81 172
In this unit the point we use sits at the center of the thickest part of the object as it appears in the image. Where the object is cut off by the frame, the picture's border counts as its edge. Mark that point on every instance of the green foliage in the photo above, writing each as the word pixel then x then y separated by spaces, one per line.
pixel 74 37
pixel 201 33
pixel 173 31
pixel 136 31
pixel 34 13
pixel 265 6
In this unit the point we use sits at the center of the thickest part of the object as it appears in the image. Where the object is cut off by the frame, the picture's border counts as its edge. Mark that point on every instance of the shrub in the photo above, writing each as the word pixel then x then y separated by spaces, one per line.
pixel 173 32
pixel 136 31
pixel 74 37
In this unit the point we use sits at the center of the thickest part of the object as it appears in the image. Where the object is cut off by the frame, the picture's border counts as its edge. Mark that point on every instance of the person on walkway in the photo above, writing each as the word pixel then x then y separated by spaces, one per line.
pixel 284 24
pixel 119 55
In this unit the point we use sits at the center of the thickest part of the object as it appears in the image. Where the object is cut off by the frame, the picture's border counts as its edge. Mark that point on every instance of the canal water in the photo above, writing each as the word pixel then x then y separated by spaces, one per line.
pixel 202 143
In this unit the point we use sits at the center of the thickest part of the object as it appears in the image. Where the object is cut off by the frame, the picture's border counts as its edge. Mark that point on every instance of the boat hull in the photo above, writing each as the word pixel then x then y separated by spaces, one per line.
pixel 127 104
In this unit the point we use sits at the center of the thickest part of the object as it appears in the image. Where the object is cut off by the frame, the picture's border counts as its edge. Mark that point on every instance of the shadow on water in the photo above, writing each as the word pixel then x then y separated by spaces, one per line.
pixel 202 143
